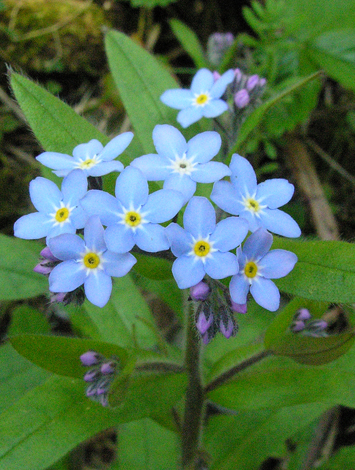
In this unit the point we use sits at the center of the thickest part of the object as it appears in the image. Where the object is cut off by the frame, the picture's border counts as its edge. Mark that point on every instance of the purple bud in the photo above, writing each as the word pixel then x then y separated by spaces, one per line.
pixel 239 308
pixel 241 98
pixel 302 314
pixel 200 291
pixel 58 297
pixel 252 82
pixel 226 331
pixel 229 38
pixel 91 390
pixel 92 375
pixel 102 387
pixel 297 326
pixel 320 324
pixel 40 269
pixel 262 82
pixel 103 400
pixel 90 358
pixel 46 253
pixel 238 75
pixel 202 323
pixel 216 75
pixel 205 338
pixel 108 367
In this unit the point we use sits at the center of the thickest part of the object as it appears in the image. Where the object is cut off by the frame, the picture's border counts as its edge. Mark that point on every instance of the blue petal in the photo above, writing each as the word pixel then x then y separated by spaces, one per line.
pixel 210 172
pixel 88 150
pixel 220 85
pixel 181 183
pixel 180 241
pixel 226 197
pixel 257 245
pixel 74 187
pixel 94 234
pixel 239 288
pixel 132 188
pixel 279 222
pixel 66 277
pixel 56 161
pixel 199 217
pixel 98 288
pixel 253 221
pixel 116 146
pixel 187 271
pixel 169 142
pixel 277 263
pixel 229 233
pixel 119 238
pixel 202 81
pixel 60 229
pixel 221 265
pixel 105 168
pixel 67 246
pixel 243 175
pixel 32 226
pixel 105 205
pixel 152 238
pixel 45 195
pixel 275 192
pixel 153 166
pixel 265 293
pixel 79 217
pixel 214 108
pixel 162 205
pixel 117 264
pixel 188 116
pixel 177 99
pixel 204 146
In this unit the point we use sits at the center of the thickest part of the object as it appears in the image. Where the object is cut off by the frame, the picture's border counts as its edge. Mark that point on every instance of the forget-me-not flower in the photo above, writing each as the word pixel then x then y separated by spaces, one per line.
pixel 202 100
pixel 133 216
pixel 58 211
pixel 257 265
pixel 258 203
pixel 203 246
pixel 182 164
pixel 93 158
pixel 87 262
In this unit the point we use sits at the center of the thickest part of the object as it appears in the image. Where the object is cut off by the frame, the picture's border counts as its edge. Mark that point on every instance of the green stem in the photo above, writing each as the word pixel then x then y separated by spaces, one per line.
pixel 194 403
pixel 161 367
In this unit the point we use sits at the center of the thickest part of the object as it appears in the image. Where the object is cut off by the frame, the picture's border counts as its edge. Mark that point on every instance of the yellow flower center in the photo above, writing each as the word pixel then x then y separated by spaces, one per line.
pixel 202 248
pixel 133 218
pixel 202 99
pixel 252 205
pixel 62 214
pixel 91 260
pixel 250 269
pixel 87 164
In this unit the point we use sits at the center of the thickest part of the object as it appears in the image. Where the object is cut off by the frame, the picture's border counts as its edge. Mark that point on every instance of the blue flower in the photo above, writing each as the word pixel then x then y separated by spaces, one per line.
pixel 87 262
pixel 58 211
pixel 257 265
pixel 203 99
pixel 92 157
pixel 203 247
pixel 132 217
pixel 257 203
pixel 182 164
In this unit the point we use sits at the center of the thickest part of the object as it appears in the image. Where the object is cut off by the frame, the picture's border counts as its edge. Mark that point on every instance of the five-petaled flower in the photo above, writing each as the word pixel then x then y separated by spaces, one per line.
pixel 182 164
pixel 202 100
pixel 133 216
pixel 93 158
pixel 58 211
pixel 203 247
pixel 257 265
pixel 257 203
pixel 87 262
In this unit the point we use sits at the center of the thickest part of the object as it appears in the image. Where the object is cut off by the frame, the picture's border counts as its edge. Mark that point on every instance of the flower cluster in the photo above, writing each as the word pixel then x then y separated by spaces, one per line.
pixel 303 324
pixel 90 233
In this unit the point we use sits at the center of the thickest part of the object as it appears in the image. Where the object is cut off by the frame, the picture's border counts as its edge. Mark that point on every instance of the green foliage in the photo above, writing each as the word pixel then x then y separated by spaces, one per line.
pixel 189 42
pixel 151 3
pixel 25 319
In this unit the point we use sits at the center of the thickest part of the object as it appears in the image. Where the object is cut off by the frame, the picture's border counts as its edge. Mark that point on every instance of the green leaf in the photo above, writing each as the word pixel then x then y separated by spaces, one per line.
pixel 60 354
pixel 343 460
pixel 189 42
pixel 17 260
pixel 140 80
pixel 151 3
pixel 325 270
pixel 305 349
pixel 153 267
pixel 334 52
pixel 155 447
pixel 25 319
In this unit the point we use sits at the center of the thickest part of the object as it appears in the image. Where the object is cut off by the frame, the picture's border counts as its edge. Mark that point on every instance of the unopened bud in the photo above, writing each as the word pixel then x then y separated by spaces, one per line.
pixel 200 291
pixel 46 253
pixel 297 326
pixel 241 98
pixel 252 82
pixel 42 269
pixel 262 82
pixel 239 308
pixel 102 387
pixel 58 298
pixel 238 75
pixel 92 375
pixel 90 358
pixel 226 330
pixel 91 390
pixel 204 323
pixel 108 367
pixel 302 314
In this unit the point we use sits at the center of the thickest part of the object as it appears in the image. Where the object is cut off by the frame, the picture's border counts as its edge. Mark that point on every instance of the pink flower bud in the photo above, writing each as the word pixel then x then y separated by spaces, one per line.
pixel 241 98
pixel 91 375
pixel 297 326
pixel 200 291
pixel 40 269
pixel 238 75
pixel 90 358
pixel 262 82
pixel 252 82
pixel 302 314
pixel 46 253
pixel 202 323
pixel 227 331
pixel 108 368
pixel 58 298
pixel 239 308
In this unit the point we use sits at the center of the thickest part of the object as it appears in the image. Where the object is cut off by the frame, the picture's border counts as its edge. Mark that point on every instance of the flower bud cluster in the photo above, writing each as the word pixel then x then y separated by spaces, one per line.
pixel 214 312
pixel 246 89
pixel 99 376
pixel 302 323
pixel 217 46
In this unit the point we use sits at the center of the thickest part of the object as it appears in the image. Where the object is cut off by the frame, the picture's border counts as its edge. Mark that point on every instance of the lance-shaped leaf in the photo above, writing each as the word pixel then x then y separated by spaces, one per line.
pixel 190 42
pixel 325 270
